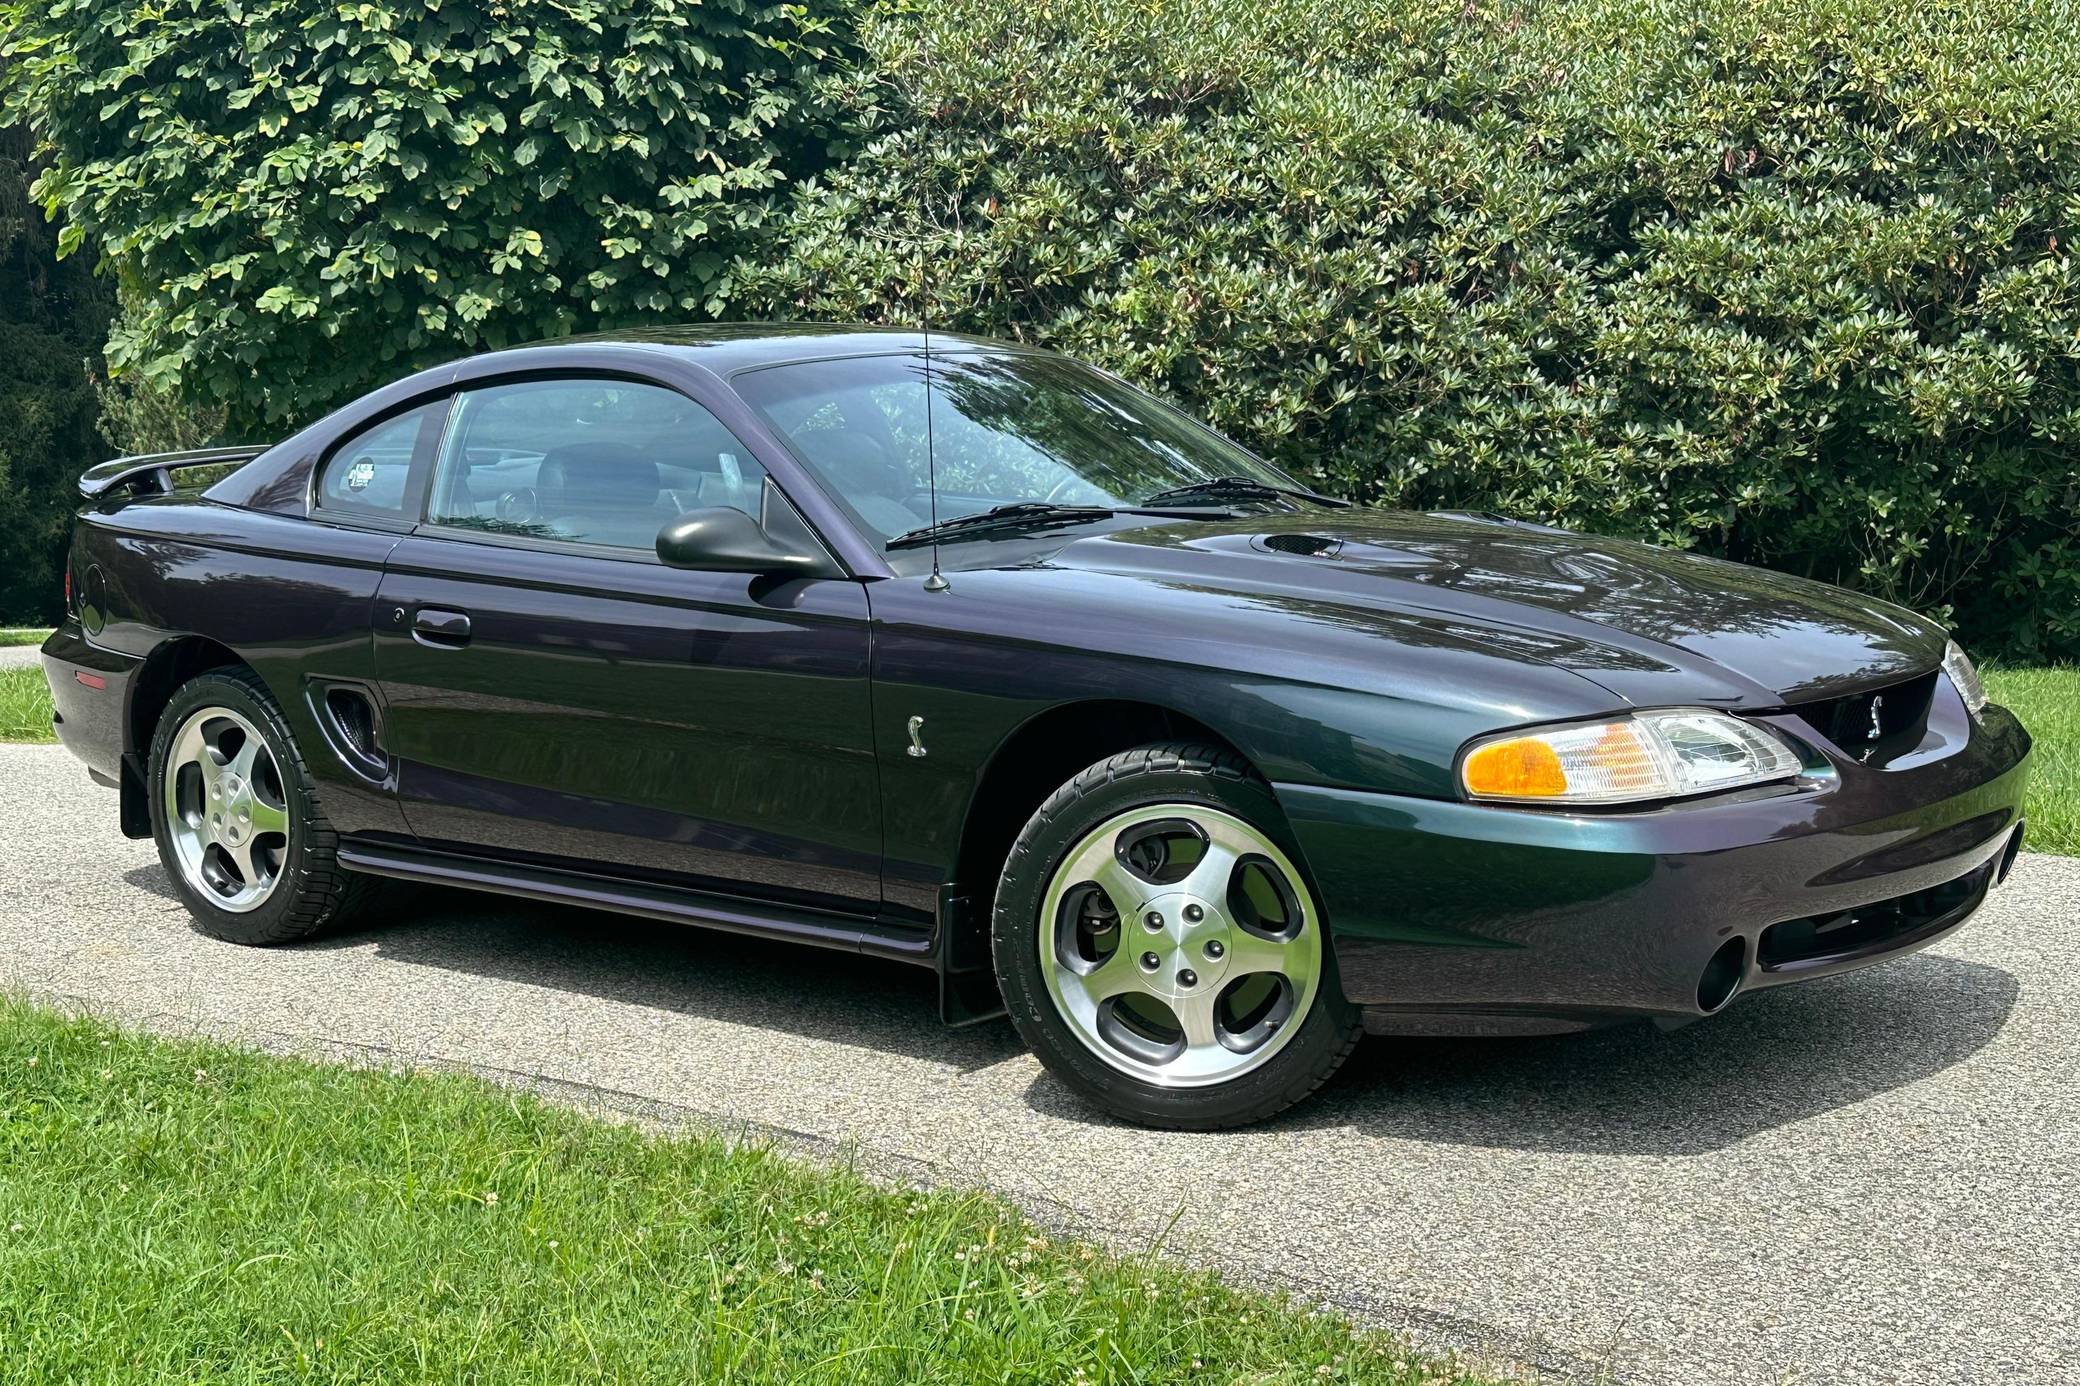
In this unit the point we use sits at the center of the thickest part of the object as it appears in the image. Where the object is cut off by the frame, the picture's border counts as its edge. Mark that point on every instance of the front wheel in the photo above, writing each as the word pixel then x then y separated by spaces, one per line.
pixel 1160 949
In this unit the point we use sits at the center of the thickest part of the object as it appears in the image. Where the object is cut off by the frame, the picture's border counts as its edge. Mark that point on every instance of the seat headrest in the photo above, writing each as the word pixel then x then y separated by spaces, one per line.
pixel 596 476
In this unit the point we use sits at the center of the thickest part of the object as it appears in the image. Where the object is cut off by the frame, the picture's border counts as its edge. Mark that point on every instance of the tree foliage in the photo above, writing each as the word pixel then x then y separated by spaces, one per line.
pixel 1787 281
pixel 52 317
pixel 310 197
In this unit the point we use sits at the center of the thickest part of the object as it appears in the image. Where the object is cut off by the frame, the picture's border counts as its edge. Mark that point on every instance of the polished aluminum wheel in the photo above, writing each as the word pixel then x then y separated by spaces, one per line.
pixel 227 813
pixel 1180 945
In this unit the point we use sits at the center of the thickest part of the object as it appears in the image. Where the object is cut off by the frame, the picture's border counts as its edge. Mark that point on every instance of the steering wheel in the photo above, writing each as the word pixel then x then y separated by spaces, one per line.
pixel 518 506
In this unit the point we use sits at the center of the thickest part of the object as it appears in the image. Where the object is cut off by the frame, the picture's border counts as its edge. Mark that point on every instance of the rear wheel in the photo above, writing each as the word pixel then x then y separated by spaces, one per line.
pixel 1160 948
pixel 236 821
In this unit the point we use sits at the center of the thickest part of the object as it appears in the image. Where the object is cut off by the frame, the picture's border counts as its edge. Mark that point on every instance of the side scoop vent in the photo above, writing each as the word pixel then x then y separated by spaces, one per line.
pixel 356 719
pixel 348 716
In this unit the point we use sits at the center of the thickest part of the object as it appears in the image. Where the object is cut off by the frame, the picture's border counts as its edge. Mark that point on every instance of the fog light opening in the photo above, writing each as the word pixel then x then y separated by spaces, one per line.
pixel 1722 975
pixel 2014 850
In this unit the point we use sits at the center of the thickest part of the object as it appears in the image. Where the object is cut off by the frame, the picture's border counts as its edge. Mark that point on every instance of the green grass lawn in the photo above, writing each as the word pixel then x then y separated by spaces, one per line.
pixel 25 706
pixel 183 1210
pixel 2048 702
pixel 20 636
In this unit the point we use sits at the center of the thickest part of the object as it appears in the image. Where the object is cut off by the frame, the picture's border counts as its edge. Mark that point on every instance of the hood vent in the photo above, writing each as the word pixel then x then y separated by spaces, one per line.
pixel 1306 545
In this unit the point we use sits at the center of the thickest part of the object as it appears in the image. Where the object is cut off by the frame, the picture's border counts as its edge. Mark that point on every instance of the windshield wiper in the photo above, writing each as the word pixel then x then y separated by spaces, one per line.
pixel 1016 515
pixel 1242 488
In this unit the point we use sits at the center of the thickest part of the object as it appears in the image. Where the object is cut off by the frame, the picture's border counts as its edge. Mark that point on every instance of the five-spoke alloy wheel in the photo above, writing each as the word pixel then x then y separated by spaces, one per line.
pixel 1160 948
pixel 226 811
pixel 1181 946
pixel 238 825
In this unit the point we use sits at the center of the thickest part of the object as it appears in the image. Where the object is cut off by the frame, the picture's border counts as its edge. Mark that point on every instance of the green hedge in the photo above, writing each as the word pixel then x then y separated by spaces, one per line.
pixel 1790 282
pixel 1784 280
pixel 307 198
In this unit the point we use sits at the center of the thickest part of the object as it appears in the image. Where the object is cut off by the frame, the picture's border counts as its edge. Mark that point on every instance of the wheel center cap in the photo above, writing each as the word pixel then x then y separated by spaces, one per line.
pixel 232 823
pixel 1192 948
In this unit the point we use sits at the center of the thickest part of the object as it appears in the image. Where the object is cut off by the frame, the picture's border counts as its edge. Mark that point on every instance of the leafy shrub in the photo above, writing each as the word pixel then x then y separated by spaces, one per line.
pixel 1787 281
pixel 311 198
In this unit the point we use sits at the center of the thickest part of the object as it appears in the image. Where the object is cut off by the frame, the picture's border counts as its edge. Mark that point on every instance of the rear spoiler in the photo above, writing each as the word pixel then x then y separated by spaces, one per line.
pixel 155 470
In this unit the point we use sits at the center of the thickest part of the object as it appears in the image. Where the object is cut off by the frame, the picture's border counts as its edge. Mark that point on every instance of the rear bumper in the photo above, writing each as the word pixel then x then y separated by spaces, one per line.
pixel 1457 918
pixel 90 693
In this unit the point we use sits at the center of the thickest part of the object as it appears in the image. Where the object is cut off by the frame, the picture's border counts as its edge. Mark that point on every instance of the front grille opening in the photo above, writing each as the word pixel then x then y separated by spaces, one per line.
pixel 1871 928
pixel 1879 723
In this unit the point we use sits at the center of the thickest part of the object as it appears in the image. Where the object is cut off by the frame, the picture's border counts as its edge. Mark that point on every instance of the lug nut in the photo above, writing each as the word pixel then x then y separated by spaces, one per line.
pixel 1150 962
pixel 1188 978
pixel 1153 920
pixel 1213 948
pixel 1193 914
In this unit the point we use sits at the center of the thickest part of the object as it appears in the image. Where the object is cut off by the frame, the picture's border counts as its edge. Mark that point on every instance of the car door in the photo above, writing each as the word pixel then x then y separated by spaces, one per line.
pixel 555 695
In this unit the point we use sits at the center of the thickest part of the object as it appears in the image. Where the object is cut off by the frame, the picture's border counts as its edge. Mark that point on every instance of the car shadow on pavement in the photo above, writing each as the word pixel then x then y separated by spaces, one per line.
pixel 1771 1059
pixel 817 993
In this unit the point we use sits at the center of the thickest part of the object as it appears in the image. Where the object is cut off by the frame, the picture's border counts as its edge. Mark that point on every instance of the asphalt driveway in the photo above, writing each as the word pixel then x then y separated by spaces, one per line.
pixel 1872 1178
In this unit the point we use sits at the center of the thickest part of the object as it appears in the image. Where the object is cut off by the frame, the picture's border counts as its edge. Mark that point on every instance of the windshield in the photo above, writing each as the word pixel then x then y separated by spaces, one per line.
pixel 1005 428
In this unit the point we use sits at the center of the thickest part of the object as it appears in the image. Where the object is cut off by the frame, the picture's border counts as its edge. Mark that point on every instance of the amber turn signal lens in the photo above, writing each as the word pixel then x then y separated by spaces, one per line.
pixel 1522 769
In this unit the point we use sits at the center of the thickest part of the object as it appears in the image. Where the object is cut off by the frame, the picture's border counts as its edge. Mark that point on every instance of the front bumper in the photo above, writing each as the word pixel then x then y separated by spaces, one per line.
pixel 1460 918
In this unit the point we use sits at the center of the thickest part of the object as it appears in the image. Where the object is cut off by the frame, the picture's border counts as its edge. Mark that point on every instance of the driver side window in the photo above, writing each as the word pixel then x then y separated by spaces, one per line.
pixel 588 461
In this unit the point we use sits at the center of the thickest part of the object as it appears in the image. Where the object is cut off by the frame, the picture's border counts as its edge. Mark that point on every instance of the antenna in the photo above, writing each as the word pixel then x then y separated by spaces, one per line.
pixel 937 581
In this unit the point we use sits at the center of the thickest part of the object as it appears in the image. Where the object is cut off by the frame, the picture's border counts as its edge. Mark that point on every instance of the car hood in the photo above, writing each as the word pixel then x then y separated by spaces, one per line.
pixel 1654 626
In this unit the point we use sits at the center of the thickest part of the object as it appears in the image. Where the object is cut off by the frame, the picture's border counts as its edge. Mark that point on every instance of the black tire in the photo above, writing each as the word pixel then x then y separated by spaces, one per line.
pixel 313 891
pixel 1166 773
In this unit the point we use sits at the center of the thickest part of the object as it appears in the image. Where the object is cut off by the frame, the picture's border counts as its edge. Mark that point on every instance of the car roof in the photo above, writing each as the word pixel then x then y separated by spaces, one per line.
pixel 734 346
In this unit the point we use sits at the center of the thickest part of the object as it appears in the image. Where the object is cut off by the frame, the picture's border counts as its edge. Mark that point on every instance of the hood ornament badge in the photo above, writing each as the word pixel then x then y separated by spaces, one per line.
pixel 1877 723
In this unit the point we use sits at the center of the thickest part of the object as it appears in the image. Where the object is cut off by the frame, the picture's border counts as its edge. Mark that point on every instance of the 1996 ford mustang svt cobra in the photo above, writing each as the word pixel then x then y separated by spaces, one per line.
pixel 997 665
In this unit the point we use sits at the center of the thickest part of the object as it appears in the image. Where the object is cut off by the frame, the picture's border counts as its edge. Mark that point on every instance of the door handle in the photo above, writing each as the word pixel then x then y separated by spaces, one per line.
pixel 443 630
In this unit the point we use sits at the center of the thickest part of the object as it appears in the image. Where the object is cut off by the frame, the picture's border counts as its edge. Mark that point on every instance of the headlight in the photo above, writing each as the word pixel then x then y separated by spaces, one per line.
pixel 1650 755
pixel 1964 678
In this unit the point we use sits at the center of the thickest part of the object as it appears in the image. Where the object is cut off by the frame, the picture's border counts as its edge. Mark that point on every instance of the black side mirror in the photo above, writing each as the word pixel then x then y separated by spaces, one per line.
pixel 724 540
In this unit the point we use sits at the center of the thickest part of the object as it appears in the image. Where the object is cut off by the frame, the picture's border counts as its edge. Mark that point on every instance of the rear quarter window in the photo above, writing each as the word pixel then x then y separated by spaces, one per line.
pixel 371 472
